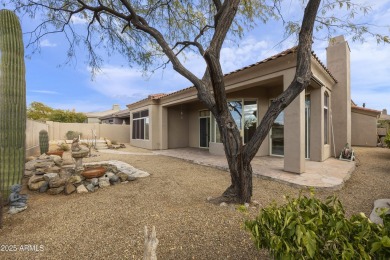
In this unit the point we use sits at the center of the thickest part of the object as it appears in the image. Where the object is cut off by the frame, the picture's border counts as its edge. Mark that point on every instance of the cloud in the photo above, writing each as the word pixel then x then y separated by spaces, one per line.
pixel 130 84
pixel 49 92
pixel 47 43
pixel 78 20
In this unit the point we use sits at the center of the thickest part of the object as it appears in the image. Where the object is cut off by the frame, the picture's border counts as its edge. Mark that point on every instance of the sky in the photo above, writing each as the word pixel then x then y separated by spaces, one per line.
pixel 71 86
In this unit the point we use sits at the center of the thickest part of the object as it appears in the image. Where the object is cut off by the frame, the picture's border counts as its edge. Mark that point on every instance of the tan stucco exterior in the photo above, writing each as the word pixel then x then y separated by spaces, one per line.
pixel 364 126
pixel 178 119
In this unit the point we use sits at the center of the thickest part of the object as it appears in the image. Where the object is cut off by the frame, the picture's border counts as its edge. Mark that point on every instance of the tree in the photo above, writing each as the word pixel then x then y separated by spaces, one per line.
pixel 144 30
pixel 39 111
pixel 42 112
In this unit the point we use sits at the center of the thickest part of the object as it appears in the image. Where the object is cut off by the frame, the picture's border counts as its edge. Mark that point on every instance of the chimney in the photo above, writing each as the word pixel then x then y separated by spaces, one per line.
pixel 338 63
pixel 116 107
pixel 384 111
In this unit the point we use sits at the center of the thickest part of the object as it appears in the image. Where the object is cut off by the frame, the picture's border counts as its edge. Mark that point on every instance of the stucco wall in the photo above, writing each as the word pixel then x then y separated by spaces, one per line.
pixel 119 133
pixel 364 130
pixel 177 127
pixel 32 136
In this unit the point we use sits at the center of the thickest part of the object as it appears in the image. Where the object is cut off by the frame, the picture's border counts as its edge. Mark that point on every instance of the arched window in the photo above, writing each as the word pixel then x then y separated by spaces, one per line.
pixel 326 118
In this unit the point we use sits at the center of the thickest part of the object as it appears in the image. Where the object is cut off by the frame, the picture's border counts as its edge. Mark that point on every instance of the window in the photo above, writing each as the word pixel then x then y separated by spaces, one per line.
pixel 244 113
pixel 326 118
pixel 141 125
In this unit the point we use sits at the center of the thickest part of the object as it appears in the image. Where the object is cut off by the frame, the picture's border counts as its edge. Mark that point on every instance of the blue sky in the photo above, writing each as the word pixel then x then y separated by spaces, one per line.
pixel 71 86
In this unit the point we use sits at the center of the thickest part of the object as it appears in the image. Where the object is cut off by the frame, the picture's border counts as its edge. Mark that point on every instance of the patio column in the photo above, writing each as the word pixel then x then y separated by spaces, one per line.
pixel 163 128
pixel 294 130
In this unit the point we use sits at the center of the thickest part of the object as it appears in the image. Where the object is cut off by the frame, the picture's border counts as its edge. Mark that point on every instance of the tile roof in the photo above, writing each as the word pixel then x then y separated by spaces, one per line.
pixel 274 57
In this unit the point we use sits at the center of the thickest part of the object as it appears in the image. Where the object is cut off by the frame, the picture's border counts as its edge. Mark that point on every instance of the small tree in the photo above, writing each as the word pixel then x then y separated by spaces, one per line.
pixel 142 31
pixel 41 112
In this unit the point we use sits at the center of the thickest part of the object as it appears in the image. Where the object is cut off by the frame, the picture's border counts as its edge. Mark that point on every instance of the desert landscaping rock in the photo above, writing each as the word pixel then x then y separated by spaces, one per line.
pixel 44 187
pixel 74 179
pixel 122 176
pixel 55 191
pixel 57 160
pixel 52 179
pixel 28 173
pixel 49 176
pixel 56 182
pixel 82 189
pixel 90 187
pixel 95 181
pixel 69 188
pixel 104 182
pixel 379 204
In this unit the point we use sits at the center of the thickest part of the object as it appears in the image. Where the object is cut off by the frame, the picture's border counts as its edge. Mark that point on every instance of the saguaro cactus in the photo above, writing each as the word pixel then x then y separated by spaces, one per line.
pixel 43 141
pixel 12 102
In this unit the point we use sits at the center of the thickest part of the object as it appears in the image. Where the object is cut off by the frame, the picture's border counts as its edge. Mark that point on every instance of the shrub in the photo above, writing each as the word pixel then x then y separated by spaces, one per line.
pixel 387 140
pixel 72 134
pixel 64 147
pixel 306 228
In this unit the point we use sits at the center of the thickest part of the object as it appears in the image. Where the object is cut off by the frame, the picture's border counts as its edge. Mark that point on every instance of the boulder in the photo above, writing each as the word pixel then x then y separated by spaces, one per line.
pixel 380 203
pixel 82 189
pixel 57 160
pixel 122 176
pixel 94 172
pixel 109 174
pixel 28 173
pixel 69 188
pixel 131 178
pixel 44 164
pixel 30 165
pixel 74 179
pixel 114 179
pixel 55 169
pixel 14 210
pixel 49 176
pixel 95 181
pixel 56 182
pixel 35 182
pixel 90 187
pixel 44 187
pixel 104 182
pixel 55 191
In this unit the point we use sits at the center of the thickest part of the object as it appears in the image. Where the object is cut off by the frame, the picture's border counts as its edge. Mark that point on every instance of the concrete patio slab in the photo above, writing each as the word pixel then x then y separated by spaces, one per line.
pixel 330 174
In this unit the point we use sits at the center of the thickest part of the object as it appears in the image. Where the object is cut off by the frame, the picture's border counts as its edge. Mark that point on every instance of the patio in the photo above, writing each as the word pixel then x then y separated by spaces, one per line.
pixel 330 174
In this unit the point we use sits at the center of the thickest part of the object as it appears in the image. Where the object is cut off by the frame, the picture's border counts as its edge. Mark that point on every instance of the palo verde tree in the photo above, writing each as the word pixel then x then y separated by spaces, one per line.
pixel 144 31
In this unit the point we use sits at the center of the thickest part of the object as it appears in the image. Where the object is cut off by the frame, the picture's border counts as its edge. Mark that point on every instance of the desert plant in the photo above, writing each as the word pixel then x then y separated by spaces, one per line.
pixel 43 141
pixel 12 102
pixel 72 134
pixel 306 228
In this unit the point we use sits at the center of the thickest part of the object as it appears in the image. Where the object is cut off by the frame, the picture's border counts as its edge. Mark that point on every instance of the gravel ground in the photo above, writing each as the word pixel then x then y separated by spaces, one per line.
pixel 109 223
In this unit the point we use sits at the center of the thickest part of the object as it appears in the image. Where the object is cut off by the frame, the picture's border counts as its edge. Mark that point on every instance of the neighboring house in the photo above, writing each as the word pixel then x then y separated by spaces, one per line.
pixel 121 117
pixel 93 117
pixel 303 131
pixel 364 126
pixel 383 125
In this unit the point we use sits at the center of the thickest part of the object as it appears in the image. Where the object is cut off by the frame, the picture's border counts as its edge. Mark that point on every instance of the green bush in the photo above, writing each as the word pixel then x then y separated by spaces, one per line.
pixel 306 228
pixel 64 147
pixel 72 134
pixel 387 140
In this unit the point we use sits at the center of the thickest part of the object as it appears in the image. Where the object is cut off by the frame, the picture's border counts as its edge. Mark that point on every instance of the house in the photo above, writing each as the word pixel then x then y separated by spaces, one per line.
pixel 364 130
pixel 383 125
pixel 93 117
pixel 121 117
pixel 315 126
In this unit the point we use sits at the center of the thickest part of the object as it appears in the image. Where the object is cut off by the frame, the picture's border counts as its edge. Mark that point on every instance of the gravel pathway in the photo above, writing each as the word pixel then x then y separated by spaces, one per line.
pixel 109 223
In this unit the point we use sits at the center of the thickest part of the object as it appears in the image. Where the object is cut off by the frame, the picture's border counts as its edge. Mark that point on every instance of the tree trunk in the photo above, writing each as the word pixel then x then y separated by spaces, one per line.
pixel 240 190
